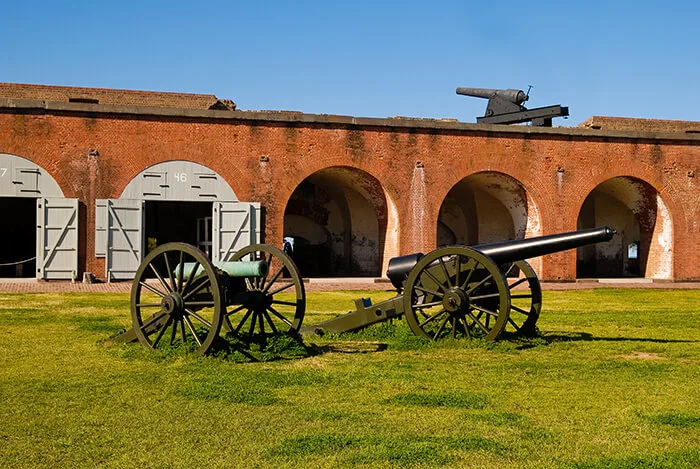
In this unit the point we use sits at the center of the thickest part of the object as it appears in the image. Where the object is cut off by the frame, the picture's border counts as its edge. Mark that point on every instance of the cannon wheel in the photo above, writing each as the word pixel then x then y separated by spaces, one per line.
pixel 525 304
pixel 261 312
pixel 459 292
pixel 169 308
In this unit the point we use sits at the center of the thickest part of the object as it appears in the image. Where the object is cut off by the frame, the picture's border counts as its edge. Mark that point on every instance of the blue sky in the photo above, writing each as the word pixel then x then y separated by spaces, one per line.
pixel 369 58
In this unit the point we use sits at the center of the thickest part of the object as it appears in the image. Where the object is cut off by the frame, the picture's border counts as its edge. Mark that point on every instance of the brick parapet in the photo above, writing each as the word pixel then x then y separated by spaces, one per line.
pixel 281 117
pixel 78 95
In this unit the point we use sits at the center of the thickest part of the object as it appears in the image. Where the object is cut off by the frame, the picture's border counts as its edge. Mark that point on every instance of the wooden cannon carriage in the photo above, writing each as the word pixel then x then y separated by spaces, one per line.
pixel 454 291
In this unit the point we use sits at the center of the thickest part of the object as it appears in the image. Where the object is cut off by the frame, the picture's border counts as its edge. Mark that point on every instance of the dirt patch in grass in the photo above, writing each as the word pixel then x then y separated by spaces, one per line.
pixel 643 356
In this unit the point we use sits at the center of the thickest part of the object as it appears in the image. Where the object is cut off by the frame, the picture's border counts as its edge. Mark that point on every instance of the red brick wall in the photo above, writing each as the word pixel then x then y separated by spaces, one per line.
pixel 639 125
pixel 108 96
pixel 128 144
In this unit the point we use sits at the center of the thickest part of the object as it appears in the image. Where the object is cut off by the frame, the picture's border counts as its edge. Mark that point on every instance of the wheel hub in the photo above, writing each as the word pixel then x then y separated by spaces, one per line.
pixel 258 300
pixel 455 301
pixel 174 305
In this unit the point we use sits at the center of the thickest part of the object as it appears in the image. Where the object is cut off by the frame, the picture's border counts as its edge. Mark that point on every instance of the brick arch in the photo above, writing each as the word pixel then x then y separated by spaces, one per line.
pixel 511 194
pixel 539 193
pixel 309 168
pixel 70 175
pixel 644 173
pixel 668 193
pixel 349 188
pixel 532 189
pixel 639 213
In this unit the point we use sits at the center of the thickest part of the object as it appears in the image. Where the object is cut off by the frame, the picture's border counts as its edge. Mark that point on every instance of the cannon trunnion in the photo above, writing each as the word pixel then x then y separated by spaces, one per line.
pixel 179 296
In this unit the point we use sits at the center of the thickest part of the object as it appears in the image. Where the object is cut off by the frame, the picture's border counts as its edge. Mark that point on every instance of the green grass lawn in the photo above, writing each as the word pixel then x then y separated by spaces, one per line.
pixel 613 381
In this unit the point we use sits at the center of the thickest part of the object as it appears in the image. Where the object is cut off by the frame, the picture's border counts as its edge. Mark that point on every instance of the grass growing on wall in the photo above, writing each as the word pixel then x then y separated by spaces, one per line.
pixel 611 382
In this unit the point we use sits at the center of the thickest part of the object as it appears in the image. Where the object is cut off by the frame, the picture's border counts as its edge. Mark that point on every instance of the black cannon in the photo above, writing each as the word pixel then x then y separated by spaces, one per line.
pixel 178 295
pixel 506 107
pixel 462 291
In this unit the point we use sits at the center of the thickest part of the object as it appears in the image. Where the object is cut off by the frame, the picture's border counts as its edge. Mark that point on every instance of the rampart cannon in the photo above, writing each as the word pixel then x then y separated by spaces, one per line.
pixel 454 291
pixel 506 107
pixel 500 101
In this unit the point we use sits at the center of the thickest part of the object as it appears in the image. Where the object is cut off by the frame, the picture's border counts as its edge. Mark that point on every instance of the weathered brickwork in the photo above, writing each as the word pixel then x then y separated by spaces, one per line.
pixel 639 125
pixel 113 97
pixel 93 151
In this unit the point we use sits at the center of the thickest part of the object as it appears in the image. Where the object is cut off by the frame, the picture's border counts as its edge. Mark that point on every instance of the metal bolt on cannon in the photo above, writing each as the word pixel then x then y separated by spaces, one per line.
pixel 179 296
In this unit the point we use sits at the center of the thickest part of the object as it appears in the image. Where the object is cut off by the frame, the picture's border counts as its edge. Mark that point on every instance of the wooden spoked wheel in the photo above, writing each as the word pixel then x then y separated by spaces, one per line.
pixel 176 299
pixel 274 303
pixel 456 292
pixel 525 298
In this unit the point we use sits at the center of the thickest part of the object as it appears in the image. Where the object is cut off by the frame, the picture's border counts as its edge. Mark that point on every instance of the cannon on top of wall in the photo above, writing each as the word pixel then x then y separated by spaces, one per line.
pixel 178 295
pixel 506 107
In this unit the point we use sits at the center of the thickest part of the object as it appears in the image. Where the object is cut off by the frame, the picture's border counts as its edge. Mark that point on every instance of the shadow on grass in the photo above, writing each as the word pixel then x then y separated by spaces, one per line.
pixel 259 348
pixel 263 348
pixel 352 348
pixel 587 337
pixel 394 450
pixel 284 346
pixel 680 459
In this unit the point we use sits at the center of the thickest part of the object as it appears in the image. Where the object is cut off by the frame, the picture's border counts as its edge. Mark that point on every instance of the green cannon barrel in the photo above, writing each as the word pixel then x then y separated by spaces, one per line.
pixel 232 268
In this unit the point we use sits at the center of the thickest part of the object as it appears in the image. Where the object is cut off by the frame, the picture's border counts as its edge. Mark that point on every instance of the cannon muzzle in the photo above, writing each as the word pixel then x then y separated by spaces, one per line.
pixel 514 96
pixel 521 249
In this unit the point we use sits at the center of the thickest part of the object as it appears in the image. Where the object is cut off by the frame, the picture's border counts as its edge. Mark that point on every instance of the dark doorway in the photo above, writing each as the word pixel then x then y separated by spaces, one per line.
pixel 18 251
pixel 171 221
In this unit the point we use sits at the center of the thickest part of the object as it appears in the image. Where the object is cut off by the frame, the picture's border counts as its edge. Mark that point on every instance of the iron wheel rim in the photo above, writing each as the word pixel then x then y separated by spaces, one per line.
pixel 263 314
pixel 172 308
pixel 526 304
pixel 456 291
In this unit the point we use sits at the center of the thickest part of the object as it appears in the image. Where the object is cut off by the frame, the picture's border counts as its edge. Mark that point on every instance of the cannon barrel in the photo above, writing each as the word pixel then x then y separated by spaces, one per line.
pixel 255 269
pixel 510 251
pixel 514 96
pixel 521 249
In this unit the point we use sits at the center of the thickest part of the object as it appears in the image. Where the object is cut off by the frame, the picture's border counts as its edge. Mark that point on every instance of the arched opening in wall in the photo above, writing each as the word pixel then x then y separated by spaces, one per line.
pixel 338 222
pixel 172 201
pixel 487 207
pixel 484 208
pixel 39 227
pixel 644 241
